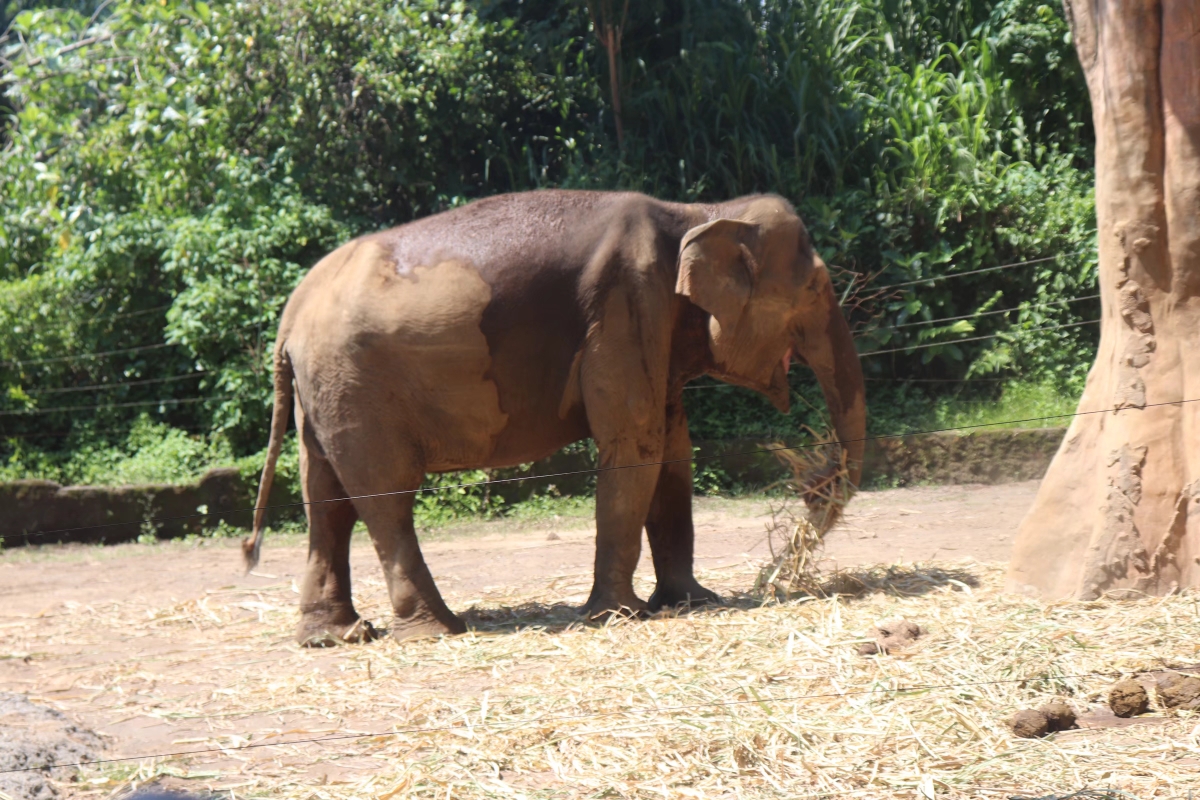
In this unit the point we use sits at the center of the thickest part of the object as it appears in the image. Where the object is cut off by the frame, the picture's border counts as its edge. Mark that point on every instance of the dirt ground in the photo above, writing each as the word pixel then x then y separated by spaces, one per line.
pixel 148 645
pixel 915 524
pixel 919 524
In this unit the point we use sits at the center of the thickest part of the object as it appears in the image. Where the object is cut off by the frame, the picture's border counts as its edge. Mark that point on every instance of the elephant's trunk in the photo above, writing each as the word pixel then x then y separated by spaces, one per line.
pixel 826 345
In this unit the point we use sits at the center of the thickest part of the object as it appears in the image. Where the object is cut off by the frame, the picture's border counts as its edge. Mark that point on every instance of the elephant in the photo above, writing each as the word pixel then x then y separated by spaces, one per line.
pixel 498 332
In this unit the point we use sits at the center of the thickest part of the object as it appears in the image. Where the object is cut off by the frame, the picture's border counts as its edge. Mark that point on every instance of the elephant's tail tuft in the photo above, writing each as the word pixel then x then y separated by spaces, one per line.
pixel 252 547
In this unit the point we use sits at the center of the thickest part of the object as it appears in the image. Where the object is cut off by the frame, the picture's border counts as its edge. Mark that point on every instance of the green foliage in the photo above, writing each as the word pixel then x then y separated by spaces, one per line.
pixel 203 157
pixel 454 495
pixel 151 452
pixel 171 169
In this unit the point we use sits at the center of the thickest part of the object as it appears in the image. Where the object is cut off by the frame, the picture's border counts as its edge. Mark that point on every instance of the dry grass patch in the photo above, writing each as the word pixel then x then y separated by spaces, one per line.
pixel 746 702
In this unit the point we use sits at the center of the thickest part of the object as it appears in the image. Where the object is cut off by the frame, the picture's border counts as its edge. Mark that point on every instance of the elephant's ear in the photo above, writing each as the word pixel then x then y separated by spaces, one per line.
pixel 716 268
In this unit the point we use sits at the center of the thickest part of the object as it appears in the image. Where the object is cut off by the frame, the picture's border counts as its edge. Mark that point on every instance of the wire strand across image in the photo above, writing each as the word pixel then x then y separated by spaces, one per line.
pixel 926 345
pixel 951 275
pixel 542 720
pixel 259 325
pixel 590 471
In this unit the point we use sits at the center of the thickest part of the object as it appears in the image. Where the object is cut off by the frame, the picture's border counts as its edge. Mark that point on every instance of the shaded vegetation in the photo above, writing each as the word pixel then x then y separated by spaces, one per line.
pixel 171 169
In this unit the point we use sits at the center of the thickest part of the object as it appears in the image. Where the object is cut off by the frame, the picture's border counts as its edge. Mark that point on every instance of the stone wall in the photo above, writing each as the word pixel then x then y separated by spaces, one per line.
pixel 110 514
pixel 104 514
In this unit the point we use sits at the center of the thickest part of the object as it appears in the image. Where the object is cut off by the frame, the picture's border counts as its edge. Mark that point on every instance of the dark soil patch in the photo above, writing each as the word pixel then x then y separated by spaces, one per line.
pixel 33 738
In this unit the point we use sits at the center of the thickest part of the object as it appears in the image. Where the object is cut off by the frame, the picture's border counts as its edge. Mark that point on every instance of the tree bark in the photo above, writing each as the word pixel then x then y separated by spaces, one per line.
pixel 1119 508
pixel 609 32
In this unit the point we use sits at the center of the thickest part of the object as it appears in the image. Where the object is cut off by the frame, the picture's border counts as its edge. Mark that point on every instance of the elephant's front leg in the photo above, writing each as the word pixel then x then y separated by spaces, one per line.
pixel 669 524
pixel 623 379
pixel 623 493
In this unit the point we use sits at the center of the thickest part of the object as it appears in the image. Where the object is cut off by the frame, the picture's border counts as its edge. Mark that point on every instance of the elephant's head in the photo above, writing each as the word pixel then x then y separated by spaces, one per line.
pixel 770 300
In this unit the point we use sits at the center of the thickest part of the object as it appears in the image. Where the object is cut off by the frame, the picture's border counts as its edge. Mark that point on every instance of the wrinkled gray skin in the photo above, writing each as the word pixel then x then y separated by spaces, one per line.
pixel 499 332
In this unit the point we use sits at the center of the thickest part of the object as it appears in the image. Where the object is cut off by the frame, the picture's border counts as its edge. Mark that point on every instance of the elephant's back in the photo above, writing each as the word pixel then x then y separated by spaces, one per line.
pixel 468 321
pixel 370 347
pixel 509 235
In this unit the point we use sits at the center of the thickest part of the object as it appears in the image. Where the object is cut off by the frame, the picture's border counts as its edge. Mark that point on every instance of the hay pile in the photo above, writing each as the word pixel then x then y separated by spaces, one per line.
pixel 744 702
pixel 816 495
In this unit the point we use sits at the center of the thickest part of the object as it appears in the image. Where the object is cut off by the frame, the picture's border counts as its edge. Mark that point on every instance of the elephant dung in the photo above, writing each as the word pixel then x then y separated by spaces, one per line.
pixel 1059 715
pixel 1128 698
pixel 1179 691
pixel 1029 724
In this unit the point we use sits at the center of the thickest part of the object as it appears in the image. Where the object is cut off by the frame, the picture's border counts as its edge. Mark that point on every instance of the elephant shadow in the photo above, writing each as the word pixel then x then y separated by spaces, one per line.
pixel 560 617
pixel 546 617
pixel 896 580
pixel 908 580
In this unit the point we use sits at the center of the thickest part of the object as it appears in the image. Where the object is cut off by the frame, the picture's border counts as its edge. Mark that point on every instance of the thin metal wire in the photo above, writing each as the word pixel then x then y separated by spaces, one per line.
pixel 106 353
pixel 701 386
pixel 83 431
pixel 181 401
pixel 940 380
pixel 122 351
pixel 572 717
pixel 127 314
pixel 975 338
pixel 951 275
pixel 105 386
pixel 590 471
pixel 982 314
pixel 85 356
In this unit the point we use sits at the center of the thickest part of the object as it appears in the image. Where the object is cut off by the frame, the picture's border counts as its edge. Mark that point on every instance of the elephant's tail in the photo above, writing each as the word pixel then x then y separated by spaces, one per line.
pixel 252 547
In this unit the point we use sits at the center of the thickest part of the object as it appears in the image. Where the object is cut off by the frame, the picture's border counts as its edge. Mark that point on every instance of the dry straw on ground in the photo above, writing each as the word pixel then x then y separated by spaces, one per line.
pixel 817 493
pixel 742 702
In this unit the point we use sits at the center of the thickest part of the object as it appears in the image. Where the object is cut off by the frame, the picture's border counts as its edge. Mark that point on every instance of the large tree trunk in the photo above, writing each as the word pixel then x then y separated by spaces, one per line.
pixel 1119 508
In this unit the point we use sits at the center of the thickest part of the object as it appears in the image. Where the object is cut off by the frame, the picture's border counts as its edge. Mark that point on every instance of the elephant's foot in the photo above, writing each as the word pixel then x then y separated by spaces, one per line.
pixel 602 605
pixel 426 627
pixel 329 625
pixel 687 595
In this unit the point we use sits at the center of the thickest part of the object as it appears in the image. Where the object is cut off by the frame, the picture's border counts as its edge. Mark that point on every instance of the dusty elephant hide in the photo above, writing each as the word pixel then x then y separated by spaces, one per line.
pixel 497 333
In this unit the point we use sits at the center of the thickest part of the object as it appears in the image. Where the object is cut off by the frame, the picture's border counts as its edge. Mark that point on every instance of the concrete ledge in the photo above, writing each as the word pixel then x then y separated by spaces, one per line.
pixel 110 514
pixel 1001 456
pixel 982 456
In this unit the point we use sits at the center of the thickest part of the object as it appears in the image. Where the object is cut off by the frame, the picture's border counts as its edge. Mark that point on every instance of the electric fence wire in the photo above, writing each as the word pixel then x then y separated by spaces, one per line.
pixel 909 347
pixel 84 431
pixel 591 471
pixel 543 720
pixel 85 356
pixel 128 314
pixel 108 386
pixel 30 412
pixel 694 387
pixel 117 385
pixel 936 278
pixel 979 314
pixel 924 346
pixel 949 275
pixel 121 351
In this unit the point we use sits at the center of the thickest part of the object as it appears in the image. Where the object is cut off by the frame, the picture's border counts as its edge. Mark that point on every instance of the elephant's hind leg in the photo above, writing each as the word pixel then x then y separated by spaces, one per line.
pixel 327 614
pixel 387 509
pixel 416 601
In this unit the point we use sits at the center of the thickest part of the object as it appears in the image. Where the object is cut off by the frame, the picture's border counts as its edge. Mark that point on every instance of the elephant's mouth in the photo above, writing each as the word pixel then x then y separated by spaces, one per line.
pixel 774 387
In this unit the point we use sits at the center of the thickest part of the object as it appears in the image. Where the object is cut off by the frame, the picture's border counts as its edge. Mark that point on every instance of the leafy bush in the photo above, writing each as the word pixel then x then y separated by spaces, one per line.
pixel 203 157
pixel 171 169
pixel 152 452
